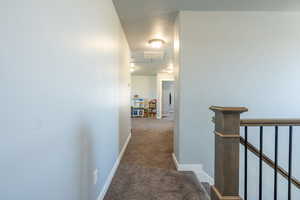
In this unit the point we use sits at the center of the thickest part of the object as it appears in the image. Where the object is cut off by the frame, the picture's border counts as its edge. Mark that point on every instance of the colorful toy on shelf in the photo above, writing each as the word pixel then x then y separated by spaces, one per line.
pixel 152 110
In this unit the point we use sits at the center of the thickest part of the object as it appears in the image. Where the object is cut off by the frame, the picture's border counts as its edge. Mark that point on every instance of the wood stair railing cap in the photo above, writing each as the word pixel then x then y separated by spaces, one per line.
pixel 228 109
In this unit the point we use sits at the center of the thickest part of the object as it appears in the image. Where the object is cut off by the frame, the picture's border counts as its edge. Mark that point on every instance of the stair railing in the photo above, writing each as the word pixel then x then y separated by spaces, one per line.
pixel 227 153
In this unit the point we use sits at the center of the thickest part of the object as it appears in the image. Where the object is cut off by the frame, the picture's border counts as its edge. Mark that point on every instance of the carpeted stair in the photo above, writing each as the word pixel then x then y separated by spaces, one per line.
pixel 133 182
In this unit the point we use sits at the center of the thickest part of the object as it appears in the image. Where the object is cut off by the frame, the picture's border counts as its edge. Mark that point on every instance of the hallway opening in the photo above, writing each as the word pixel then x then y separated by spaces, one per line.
pixel 168 99
pixel 152 116
pixel 147 170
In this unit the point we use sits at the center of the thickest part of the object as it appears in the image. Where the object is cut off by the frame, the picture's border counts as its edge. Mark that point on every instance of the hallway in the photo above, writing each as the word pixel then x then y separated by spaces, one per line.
pixel 151 137
pixel 147 171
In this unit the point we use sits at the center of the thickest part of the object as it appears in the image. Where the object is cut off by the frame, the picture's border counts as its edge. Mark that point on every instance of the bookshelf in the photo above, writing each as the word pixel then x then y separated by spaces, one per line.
pixel 138 106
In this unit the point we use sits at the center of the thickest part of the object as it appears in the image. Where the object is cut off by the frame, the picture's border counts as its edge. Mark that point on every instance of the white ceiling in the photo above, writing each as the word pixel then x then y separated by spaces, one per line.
pixel 143 20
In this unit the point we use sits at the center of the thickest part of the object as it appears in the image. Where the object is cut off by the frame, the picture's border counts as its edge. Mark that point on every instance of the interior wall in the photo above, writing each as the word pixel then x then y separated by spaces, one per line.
pixel 177 64
pixel 124 91
pixel 59 83
pixel 238 59
pixel 144 86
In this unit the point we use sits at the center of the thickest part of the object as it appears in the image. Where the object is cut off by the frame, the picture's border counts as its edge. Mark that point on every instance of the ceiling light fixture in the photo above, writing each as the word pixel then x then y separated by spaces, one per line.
pixel 171 66
pixel 156 43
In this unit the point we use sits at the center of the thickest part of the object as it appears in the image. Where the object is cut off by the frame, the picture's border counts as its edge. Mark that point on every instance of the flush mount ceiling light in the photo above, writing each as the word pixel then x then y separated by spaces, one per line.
pixel 170 67
pixel 156 43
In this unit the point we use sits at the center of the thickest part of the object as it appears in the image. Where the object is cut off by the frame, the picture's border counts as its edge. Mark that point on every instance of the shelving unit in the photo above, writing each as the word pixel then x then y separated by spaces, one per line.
pixel 138 106
pixel 152 110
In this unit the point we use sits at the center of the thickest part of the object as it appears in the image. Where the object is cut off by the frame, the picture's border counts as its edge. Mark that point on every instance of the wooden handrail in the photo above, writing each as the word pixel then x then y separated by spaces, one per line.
pixel 270 162
pixel 270 122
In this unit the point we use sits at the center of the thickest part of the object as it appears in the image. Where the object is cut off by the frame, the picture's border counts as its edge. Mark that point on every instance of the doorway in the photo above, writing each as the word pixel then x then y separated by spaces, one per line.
pixel 168 97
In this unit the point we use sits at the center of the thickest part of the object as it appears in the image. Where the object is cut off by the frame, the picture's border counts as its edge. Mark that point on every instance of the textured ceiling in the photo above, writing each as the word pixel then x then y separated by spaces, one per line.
pixel 143 20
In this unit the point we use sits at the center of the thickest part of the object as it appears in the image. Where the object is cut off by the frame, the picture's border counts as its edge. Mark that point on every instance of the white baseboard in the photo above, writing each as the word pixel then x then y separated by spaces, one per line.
pixel 113 170
pixel 175 161
pixel 202 176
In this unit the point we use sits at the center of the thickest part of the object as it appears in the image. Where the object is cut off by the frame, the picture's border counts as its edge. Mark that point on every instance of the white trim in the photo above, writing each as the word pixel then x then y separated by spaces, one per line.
pixel 175 161
pixel 113 170
pixel 202 176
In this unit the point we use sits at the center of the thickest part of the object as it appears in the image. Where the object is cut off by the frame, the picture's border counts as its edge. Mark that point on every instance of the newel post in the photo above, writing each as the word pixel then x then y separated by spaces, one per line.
pixel 227 141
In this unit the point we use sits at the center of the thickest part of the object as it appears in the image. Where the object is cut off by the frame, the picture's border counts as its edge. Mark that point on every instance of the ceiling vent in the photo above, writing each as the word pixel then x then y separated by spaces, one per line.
pixel 154 55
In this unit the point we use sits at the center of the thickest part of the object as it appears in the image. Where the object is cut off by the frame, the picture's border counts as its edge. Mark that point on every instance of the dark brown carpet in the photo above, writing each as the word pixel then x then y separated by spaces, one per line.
pixel 147 171
pixel 151 144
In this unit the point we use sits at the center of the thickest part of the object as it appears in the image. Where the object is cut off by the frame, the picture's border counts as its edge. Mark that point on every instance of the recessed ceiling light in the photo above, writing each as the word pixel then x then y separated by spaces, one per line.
pixel 131 69
pixel 156 43
pixel 132 64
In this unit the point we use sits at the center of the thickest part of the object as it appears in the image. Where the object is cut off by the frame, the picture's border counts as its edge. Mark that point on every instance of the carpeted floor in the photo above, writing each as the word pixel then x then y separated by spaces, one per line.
pixel 147 171
pixel 151 144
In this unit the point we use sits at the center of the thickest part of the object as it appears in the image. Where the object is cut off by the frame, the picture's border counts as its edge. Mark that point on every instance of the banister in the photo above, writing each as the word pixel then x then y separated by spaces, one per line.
pixel 267 122
pixel 269 162
pixel 270 122
pixel 228 125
